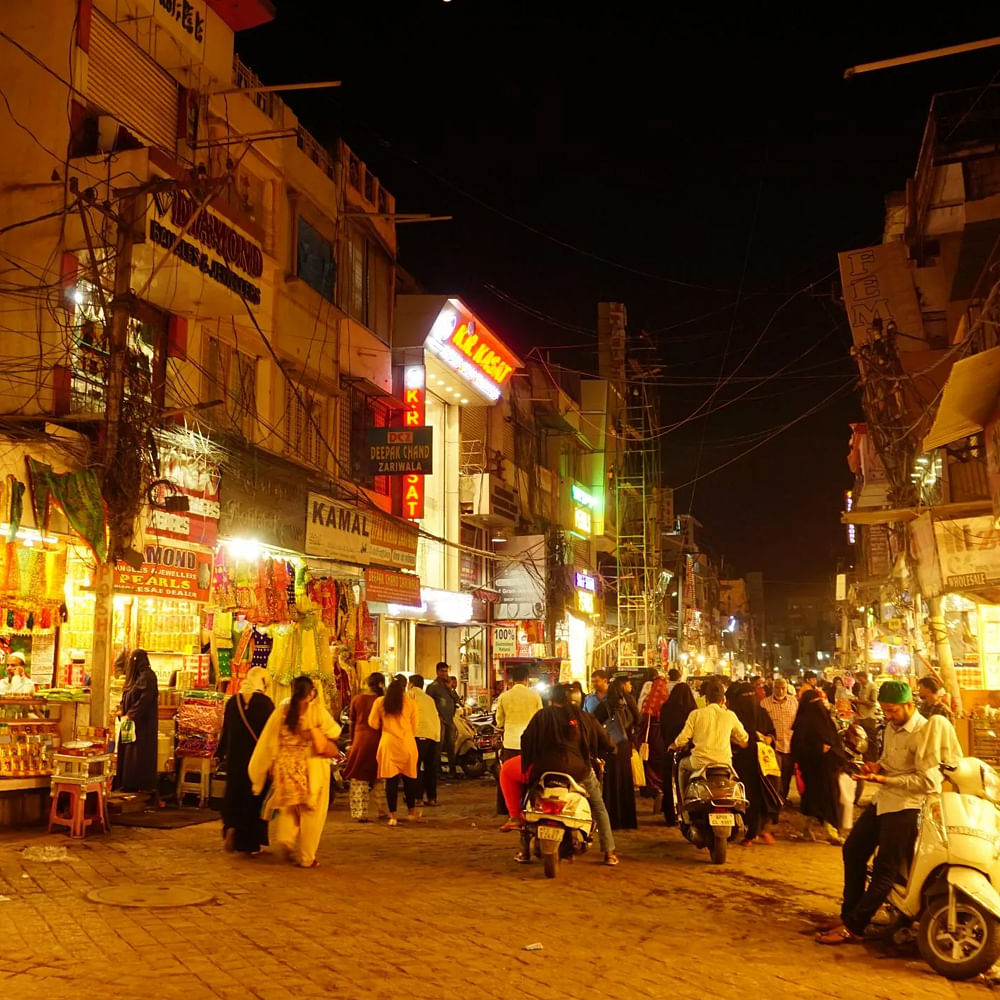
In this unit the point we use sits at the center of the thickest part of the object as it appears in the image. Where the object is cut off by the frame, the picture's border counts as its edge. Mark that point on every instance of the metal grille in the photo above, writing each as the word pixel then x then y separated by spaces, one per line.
pixel 125 82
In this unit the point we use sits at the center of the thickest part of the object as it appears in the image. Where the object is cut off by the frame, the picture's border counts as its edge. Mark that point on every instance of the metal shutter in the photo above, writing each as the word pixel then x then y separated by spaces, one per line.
pixel 130 86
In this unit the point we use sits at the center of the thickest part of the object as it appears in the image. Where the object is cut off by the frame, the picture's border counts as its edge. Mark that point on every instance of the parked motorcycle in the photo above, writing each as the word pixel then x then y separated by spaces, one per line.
pixel 712 808
pixel 475 744
pixel 950 890
pixel 557 820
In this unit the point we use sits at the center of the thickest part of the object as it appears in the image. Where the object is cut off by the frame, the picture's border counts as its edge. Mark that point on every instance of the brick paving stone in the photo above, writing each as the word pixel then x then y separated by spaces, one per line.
pixel 454 909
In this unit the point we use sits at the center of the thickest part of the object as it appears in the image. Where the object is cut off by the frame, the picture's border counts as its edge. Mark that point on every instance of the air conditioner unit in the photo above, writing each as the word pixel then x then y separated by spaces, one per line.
pixel 485 496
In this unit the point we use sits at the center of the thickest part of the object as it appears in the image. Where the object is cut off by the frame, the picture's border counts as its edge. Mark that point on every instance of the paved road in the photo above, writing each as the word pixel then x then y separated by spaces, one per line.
pixel 433 912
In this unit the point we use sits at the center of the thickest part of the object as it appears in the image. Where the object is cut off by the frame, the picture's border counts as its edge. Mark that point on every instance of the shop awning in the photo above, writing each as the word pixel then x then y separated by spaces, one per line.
pixel 969 399
pixel 940 512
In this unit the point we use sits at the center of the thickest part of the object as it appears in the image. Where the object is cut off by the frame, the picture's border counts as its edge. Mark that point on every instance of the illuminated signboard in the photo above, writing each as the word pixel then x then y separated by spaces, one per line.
pixel 581 496
pixel 584 581
pixel 582 520
pixel 471 351
pixel 414 400
pixel 585 602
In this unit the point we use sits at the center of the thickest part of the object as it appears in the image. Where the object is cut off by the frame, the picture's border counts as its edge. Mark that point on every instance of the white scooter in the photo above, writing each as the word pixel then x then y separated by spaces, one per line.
pixel 557 820
pixel 951 887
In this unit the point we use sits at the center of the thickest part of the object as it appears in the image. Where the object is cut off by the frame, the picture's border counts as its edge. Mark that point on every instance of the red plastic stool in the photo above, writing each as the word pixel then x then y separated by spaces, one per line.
pixel 76 816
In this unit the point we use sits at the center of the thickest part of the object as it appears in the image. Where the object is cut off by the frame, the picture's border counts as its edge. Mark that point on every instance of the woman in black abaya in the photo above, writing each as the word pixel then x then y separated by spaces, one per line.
pixel 618 714
pixel 245 717
pixel 137 760
pixel 818 750
pixel 763 805
pixel 673 715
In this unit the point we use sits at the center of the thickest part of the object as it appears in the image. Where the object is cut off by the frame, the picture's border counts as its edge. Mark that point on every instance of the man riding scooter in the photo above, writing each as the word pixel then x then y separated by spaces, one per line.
pixel 713 730
pixel 907 771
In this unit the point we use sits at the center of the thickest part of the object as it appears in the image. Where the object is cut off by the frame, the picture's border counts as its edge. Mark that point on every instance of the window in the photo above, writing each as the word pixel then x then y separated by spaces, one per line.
pixel 367 285
pixel 304 428
pixel 358 412
pixel 231 377
pixel 315 261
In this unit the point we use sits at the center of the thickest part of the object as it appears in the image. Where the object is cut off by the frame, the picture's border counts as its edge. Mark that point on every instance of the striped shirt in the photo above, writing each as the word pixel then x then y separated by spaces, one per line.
pixel 782 715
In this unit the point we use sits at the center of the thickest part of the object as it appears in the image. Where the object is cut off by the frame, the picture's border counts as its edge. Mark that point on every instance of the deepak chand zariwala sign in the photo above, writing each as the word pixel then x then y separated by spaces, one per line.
pixel 399 451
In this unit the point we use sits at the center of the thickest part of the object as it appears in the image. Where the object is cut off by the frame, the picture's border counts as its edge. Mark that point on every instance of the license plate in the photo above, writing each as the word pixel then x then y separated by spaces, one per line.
pixel 550 833
pixel 721 819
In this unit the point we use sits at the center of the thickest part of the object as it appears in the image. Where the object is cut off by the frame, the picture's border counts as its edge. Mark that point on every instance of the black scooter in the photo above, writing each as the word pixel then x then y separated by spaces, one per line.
pixel 712 808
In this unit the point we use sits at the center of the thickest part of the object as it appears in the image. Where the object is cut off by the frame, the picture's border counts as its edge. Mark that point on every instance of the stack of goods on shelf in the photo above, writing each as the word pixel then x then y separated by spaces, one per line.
pixel 26 741
pixel 199 724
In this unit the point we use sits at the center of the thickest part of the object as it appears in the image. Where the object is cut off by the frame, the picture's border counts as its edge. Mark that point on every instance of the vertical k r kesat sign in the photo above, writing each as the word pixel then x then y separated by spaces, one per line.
pixel 343 531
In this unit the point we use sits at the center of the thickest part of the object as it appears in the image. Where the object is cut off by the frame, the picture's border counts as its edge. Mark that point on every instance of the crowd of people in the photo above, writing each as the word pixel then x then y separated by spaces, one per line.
pixel 614 742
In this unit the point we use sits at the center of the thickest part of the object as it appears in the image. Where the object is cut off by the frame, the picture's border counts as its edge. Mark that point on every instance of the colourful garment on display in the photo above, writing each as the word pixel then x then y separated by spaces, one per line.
pixel 262 646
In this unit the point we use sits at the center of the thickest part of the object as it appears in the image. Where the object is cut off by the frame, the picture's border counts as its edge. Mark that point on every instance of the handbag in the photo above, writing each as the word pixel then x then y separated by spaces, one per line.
pixel 638 770
pixel 768 760
pixel 644 749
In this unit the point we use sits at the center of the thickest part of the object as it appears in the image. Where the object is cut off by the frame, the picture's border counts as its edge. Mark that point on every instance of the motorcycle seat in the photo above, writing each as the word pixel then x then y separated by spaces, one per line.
pixel 554 779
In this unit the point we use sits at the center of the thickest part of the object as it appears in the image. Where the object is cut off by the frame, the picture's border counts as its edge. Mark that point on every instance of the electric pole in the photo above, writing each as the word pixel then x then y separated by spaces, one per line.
pixel 114 400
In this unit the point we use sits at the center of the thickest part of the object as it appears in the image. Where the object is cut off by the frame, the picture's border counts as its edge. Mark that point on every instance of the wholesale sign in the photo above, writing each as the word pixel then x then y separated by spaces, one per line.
pixel 968 552
pixel 392 587
pixel 398 451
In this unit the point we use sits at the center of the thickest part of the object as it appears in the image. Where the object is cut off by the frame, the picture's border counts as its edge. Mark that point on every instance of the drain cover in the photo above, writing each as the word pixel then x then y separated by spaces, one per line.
pixel 148 895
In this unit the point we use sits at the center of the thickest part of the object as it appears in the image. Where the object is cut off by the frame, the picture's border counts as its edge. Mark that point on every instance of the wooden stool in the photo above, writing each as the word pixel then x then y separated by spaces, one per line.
pixel 194 777
pixel 75 816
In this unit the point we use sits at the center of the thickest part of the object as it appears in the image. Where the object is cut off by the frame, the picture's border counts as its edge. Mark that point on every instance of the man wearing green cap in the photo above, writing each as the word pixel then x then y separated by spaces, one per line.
pixel 906 773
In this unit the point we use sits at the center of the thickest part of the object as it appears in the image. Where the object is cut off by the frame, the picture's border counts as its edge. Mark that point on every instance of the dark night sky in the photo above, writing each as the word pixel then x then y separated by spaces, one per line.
pixel 705 147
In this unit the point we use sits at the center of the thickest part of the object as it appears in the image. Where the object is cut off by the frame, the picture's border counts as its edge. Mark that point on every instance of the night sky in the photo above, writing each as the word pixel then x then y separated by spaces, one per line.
pixel 701 165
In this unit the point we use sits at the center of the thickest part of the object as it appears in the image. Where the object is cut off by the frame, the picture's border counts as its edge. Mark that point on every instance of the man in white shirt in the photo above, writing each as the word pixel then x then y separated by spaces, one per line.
pixel 906 773
pixel 782 707
pixel 713 730
pixel 515 708
pixel 428 741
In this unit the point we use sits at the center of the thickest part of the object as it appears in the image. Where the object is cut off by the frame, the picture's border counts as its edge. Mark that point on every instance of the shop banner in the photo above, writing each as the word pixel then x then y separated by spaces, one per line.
pixel 505 640
pixel 342 531
pixel 400 451
pixel 168 571
pixel 261 498
pixel 392 587
pixel 521 577
pixel 969 552
pixel 78 495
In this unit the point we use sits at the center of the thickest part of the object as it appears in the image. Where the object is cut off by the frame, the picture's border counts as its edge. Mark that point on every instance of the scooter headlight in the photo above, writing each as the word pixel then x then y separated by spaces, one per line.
pixel 991 785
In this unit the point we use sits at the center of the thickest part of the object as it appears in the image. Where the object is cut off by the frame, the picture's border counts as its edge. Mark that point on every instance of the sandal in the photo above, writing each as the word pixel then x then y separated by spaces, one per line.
pixel 510 826
pixel 394 822
pixel 828 924
pixel 611 859
pixel 521 858
pixel 312 864
pixel 838 935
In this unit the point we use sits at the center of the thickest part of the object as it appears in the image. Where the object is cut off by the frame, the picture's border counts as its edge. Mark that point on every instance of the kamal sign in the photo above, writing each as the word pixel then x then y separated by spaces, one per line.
pixel 336 530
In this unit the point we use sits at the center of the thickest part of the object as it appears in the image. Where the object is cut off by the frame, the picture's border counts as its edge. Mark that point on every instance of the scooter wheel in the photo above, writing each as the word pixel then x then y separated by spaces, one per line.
pixel 970 949
pixel 718 847
pixel 551 864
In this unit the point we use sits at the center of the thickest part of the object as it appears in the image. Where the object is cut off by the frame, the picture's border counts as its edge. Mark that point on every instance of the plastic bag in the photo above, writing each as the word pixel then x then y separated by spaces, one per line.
pixel 126 731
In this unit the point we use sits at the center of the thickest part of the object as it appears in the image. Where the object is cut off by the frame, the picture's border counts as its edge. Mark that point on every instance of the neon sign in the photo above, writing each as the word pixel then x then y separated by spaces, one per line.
pixel 414 412
pixel 585 602
pixel 584 581
pixel 471 351
pixel 581 496
pixel 582 520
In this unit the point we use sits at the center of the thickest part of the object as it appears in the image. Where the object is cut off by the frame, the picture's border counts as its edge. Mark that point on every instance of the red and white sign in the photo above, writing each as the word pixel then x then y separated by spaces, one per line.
pixel 168 571
pixel 392 587
pixel 414 412
pixel 473 352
